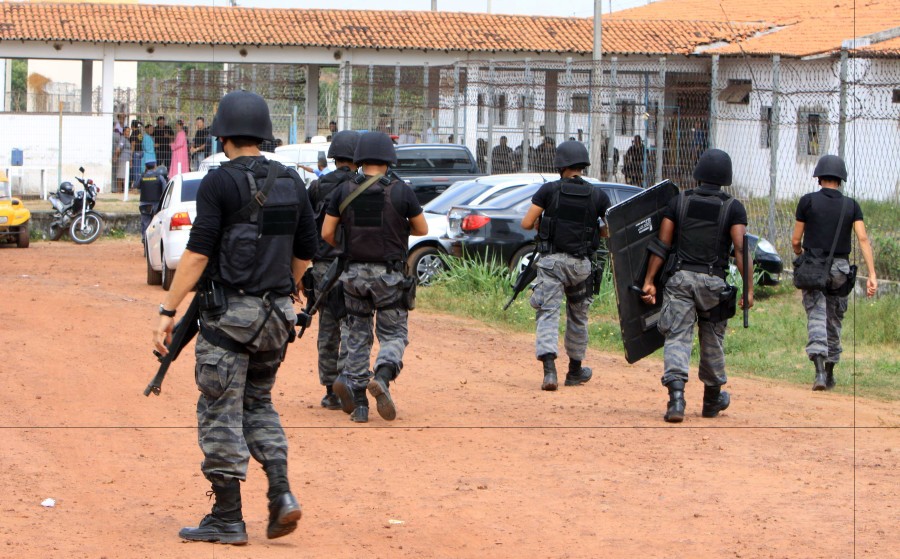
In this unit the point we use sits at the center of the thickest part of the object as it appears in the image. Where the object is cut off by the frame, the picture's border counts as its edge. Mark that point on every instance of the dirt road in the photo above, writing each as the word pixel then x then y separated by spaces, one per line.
pixel 479 463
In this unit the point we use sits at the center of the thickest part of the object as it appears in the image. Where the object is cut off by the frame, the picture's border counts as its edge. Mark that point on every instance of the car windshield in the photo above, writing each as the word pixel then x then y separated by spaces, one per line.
pixel 189 190
pixel 432 160
pixel 515 196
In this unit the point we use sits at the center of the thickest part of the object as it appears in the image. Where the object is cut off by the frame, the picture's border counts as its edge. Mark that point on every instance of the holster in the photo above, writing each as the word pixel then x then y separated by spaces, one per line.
pixel 596 278
pixel 335 302
pixel 213 302
pixel 308 284
pixel 409 292
pixel 726 308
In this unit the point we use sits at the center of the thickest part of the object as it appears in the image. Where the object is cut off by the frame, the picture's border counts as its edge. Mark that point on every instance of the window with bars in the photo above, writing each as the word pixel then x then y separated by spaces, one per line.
pixel 812 131
pixel 626 117
pixel 765 130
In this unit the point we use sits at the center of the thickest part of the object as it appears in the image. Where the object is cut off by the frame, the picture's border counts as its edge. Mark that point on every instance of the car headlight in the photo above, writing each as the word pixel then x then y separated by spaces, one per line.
pixel 765 246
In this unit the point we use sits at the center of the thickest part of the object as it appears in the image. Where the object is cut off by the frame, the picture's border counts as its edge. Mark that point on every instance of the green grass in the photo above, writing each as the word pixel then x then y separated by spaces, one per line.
pixel 773 346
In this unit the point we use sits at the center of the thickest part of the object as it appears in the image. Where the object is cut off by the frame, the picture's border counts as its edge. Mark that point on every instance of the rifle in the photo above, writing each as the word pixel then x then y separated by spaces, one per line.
pixel 747 279
pixel 329 280
pixel 184 332
pixel 525 277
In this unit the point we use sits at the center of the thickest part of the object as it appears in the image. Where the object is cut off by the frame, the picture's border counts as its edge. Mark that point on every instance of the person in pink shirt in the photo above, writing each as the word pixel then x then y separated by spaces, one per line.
pixel 179 151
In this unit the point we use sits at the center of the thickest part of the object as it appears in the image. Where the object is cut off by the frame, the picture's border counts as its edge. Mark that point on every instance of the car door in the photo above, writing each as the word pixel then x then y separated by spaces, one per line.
pixel 155 230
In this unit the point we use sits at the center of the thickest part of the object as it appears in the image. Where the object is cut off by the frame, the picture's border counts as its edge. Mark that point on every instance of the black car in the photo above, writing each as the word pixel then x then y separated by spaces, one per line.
pixel 494 231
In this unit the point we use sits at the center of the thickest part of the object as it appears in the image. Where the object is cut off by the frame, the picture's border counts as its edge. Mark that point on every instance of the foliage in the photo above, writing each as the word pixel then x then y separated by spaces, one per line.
pixel 169 70
pixel 18 83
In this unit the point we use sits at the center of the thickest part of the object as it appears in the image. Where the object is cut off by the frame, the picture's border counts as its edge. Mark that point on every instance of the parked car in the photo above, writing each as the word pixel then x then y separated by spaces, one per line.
pixel 430 169
pixel 168 232
pixel 15 218
pixel 216 159
pixel 307 155
pixel 425 251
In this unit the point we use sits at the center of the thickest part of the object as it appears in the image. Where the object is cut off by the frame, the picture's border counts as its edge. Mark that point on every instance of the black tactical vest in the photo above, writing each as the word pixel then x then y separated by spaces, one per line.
pixel 374 229
pixel 320 196
pixel 569 223
pixel 151 187
pixel 701 224
pixel 255 251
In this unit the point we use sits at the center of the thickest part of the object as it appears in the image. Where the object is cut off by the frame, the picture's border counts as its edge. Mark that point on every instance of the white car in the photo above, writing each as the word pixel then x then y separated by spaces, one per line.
pixel 167 234
pixel 306 155
pixel 216 159
pixel 426 251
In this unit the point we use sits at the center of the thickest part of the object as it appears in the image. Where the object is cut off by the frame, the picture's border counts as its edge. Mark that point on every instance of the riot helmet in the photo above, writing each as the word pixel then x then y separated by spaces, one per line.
pixel 242 113
pixel 714 167
pixel 571 153
pixel 343 145
pixel 66 188
pixel 831 166
pixel 375 147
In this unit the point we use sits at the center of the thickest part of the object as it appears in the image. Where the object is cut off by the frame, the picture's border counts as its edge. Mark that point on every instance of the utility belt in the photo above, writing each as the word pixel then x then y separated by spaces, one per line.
pixel 407 287
pixel 390 266
pixel 701 269
pixel 546 247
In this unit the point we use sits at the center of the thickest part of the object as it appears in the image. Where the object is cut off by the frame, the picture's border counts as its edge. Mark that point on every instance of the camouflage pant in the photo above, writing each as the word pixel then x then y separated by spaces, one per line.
pixel 332 342
pixel 235 415
pixel 686 293
pixel 824 314
pixel 558 274
pixel 372 294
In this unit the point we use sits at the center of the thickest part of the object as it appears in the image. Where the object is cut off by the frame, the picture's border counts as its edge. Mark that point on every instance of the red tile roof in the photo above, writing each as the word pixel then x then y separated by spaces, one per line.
pixel 420 30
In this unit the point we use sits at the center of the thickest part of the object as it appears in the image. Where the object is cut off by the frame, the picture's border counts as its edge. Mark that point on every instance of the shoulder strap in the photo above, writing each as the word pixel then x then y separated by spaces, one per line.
pixel 362 188
pixel 838 230
pixel 257 197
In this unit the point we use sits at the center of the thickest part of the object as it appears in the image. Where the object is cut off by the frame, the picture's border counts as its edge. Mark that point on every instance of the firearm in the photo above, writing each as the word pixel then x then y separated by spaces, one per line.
pixel 525 277
pixel 329 280
pixel 747 279
pixel 184 332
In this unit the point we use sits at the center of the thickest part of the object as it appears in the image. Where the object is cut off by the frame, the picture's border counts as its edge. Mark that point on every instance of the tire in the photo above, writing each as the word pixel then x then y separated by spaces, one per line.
pixel 167 274
pixel 24 237
pixel 153 277
pixel 426 263
pixel 93 228
pixel 56 232
pixel 520 259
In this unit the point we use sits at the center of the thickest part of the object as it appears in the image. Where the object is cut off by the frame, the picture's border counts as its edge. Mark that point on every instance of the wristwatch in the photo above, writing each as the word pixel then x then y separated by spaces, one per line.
pixel 164 312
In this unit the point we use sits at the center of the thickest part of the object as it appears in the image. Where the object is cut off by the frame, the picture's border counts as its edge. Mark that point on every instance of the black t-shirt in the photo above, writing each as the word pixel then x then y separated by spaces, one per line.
pixel 409 206
pixel 820 212
pixel 218 198
pixel 737 215
pixel 544 197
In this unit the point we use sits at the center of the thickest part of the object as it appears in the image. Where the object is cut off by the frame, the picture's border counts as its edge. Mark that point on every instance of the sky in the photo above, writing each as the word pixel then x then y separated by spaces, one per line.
pixel 577 8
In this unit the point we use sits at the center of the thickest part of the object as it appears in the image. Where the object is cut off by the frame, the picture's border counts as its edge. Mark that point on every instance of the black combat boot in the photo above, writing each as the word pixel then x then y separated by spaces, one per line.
pixel 675 409
pixel 821 382
pixel 344 392
pixel 378 387
pixel 829 376
pixel 714 401
pixel 225 523
pixel 284 510
pixel 550 383
pixel 361 407
pixel 330 401
pixel 577 374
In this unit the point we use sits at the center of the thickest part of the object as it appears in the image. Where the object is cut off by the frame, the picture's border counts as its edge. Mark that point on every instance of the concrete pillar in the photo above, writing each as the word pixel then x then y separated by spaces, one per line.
pixel 551 104
pixel 4 83
pixel 108 89
pixel 311 124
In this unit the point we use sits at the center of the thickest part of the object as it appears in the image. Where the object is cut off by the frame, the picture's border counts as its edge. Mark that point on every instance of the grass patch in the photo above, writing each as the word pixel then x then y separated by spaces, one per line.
pixel 773 346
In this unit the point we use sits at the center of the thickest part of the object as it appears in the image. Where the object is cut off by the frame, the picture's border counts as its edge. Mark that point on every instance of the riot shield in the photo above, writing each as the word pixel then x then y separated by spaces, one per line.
pixel 632 224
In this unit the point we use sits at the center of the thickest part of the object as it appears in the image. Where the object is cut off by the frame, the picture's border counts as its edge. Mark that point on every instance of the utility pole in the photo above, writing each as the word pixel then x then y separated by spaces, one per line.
pixel 596 150
pixel 433 5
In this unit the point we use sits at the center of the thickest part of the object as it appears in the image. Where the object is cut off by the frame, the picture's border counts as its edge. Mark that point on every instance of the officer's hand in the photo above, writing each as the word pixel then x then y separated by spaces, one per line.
pixel 163 334
pixel 749 301
pixel 871 286
pixel 649 295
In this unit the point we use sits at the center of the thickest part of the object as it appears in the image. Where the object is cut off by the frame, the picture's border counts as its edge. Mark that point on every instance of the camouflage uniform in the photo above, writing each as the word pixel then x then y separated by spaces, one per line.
pixel 687 294
pixel 824 314
pixel 332 341
pixel 559 273
pixel 373 292
pixel 235 403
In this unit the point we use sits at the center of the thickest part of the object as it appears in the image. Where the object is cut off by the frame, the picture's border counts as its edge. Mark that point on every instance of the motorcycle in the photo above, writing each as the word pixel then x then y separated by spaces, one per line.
pixel 74 211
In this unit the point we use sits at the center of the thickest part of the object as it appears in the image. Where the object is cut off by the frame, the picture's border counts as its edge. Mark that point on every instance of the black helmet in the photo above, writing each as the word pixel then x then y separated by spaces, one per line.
pixel 714 167
pixel 242 113
pixel 831 166
pixel 375 147
pixel 67 188
pixel 343 145
pixel 571 154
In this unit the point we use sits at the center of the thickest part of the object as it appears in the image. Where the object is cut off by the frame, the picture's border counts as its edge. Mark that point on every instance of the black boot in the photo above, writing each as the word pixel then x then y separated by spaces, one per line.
pixel 550 383
pixel 330 401
pixel 675 409
pixel 829 376
pixel 225 523
pixel 378 387
pixel 361 407
pixel 821 381
pixel 284 511
pixel 577 374
pixel 344 392
pixel 714 401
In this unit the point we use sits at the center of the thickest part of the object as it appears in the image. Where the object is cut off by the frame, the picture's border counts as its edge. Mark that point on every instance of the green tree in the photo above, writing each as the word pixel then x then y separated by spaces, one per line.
pixel 19 84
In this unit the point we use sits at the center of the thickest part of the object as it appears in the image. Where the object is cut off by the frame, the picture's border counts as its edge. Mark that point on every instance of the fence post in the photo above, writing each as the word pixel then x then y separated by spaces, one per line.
pixel 569 86
pixel 526 131
pixel 126 186
pixel 613 104
pixel 456 106
pixel 661 120
pixel 713 105
pixel 395 124
pixel 425 116
pixel 348 76
pixel 59 147
pixel 370 98
pixel 490 115
pixel 842 123
pixel 773 146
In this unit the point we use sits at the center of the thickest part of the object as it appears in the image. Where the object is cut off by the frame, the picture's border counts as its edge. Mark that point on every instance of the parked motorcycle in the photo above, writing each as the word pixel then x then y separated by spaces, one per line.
pixel 74 211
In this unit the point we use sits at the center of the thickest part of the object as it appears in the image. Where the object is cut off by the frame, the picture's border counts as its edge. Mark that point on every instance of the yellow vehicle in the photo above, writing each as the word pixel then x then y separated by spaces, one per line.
pixel 15 219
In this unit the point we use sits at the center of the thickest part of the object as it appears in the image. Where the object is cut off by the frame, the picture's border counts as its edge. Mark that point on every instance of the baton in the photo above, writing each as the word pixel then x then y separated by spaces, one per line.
pixel 747 275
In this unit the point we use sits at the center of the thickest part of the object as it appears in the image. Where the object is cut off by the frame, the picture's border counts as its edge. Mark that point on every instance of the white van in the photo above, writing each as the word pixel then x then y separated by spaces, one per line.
pixel 307 154
pixel 216 159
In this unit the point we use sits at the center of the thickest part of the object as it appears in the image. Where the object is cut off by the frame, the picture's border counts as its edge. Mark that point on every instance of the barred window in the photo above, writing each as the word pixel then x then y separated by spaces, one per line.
pixel 480 110
pixel 765 135
pixel 626 117
pixel 812 131
pixel 581 103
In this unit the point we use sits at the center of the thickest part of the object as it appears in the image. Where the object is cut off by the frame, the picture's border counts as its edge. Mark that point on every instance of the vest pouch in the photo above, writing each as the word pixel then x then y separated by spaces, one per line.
pixel 545 234
pixel 845 288
pixel 409 292
pixel 237 255
pixel 726 308
pixel 811 270
pixel 335 302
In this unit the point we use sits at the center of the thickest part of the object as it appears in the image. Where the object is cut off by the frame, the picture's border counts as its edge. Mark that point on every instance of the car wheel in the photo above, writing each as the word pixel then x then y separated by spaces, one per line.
pixel 168 274
pixel 153 277
pixel 24 237
pixel 520 260
pixel 425 263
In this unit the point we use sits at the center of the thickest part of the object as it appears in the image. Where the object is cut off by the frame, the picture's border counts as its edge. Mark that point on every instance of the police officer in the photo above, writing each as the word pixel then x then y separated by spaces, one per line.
pixel 818 214
pixel 332 341
pixel 566 213
pixel 377 213
pixel 249 246
pixel 696 234
pixel 152 185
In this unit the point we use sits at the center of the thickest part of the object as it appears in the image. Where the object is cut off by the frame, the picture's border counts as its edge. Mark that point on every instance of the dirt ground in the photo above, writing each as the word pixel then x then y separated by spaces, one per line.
pixel 479 463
